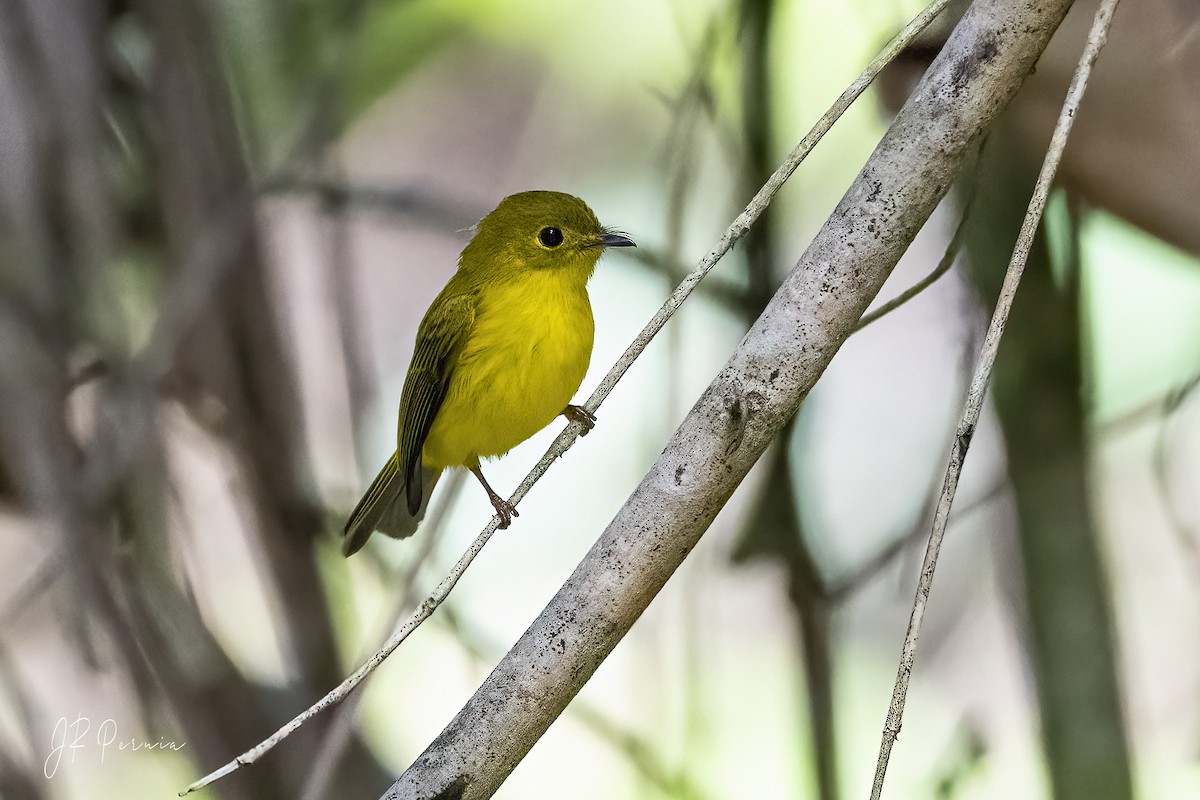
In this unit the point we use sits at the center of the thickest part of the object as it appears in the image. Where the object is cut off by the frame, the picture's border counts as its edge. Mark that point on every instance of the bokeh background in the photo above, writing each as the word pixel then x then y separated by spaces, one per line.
pixel 220 223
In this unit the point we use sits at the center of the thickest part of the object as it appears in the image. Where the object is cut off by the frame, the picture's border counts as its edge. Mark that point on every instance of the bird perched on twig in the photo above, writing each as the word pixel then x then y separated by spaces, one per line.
pixel 499 355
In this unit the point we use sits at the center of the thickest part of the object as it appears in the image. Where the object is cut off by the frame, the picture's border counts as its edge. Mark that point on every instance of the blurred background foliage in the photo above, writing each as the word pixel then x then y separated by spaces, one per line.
pixel 220 223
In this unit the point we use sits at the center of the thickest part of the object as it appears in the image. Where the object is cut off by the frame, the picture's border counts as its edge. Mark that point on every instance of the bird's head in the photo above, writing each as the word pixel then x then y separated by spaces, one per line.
pixel 539 231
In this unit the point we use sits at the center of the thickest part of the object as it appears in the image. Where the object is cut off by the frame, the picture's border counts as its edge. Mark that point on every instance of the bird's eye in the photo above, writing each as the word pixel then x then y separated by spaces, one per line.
pixel 550 237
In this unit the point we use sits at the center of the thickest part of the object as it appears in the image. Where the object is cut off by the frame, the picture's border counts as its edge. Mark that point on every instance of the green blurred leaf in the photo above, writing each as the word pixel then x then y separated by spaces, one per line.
pixel 396 37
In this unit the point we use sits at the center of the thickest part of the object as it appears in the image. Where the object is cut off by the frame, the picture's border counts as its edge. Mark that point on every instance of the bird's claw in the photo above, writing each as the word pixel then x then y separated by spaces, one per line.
pixel 505 510
pixel 581 415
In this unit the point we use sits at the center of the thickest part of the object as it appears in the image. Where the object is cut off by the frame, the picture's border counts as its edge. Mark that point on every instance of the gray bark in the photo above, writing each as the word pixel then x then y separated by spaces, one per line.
pixel 983 64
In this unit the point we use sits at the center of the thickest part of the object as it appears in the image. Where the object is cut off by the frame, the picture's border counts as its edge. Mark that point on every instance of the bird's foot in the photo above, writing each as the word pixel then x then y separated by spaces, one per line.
pixel 581 415
pixel 504 509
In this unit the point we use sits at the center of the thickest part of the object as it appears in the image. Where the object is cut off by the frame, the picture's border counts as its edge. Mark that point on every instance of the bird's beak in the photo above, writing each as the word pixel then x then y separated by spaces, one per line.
pixel 615 239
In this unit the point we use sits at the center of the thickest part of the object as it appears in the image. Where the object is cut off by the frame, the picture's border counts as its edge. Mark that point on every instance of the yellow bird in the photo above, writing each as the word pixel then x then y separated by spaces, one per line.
pixel 499 355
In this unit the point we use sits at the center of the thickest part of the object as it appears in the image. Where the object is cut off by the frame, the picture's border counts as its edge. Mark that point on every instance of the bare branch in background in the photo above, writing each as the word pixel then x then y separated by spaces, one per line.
pixel 414 202
pixel 979 383
pixel 1188 536
pixel 1162 412
pixel 126 202
pixel 1158 410
pixel 839 590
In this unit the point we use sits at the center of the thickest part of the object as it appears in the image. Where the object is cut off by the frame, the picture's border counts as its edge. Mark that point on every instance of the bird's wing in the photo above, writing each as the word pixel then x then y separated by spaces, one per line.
pixel 440 338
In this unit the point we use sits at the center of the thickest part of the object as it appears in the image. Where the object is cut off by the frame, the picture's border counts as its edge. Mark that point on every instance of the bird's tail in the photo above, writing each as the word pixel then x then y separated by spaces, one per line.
pixel 384 508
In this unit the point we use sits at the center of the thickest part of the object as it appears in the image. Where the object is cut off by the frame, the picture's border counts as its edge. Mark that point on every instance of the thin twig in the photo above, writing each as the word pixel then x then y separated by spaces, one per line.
pixel 948 257
pixel 982 376
pixel 1156 410
pixel 840 590
pixel 1184 531
pixel 726 293
pixel 338 274
pixel 444 214
pixel 739 228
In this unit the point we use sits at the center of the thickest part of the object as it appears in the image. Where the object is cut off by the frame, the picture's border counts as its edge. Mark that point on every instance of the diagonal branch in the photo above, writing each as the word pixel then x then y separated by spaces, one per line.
pixel 983 373
pixel 738 229
pixel 990 53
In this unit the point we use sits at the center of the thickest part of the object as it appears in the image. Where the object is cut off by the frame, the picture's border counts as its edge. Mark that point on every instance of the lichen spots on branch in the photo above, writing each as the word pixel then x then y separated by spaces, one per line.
pixel 455 791
pixel 964 438
pixel 988 47
pixel 737 423
pixel 876 189
pixel 965 70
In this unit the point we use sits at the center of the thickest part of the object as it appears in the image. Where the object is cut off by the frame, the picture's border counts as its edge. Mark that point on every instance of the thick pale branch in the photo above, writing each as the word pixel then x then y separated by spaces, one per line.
pixel 991 51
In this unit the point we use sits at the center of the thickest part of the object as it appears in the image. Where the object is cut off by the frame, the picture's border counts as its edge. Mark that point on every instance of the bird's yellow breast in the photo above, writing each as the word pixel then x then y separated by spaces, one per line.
pixel 523 361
